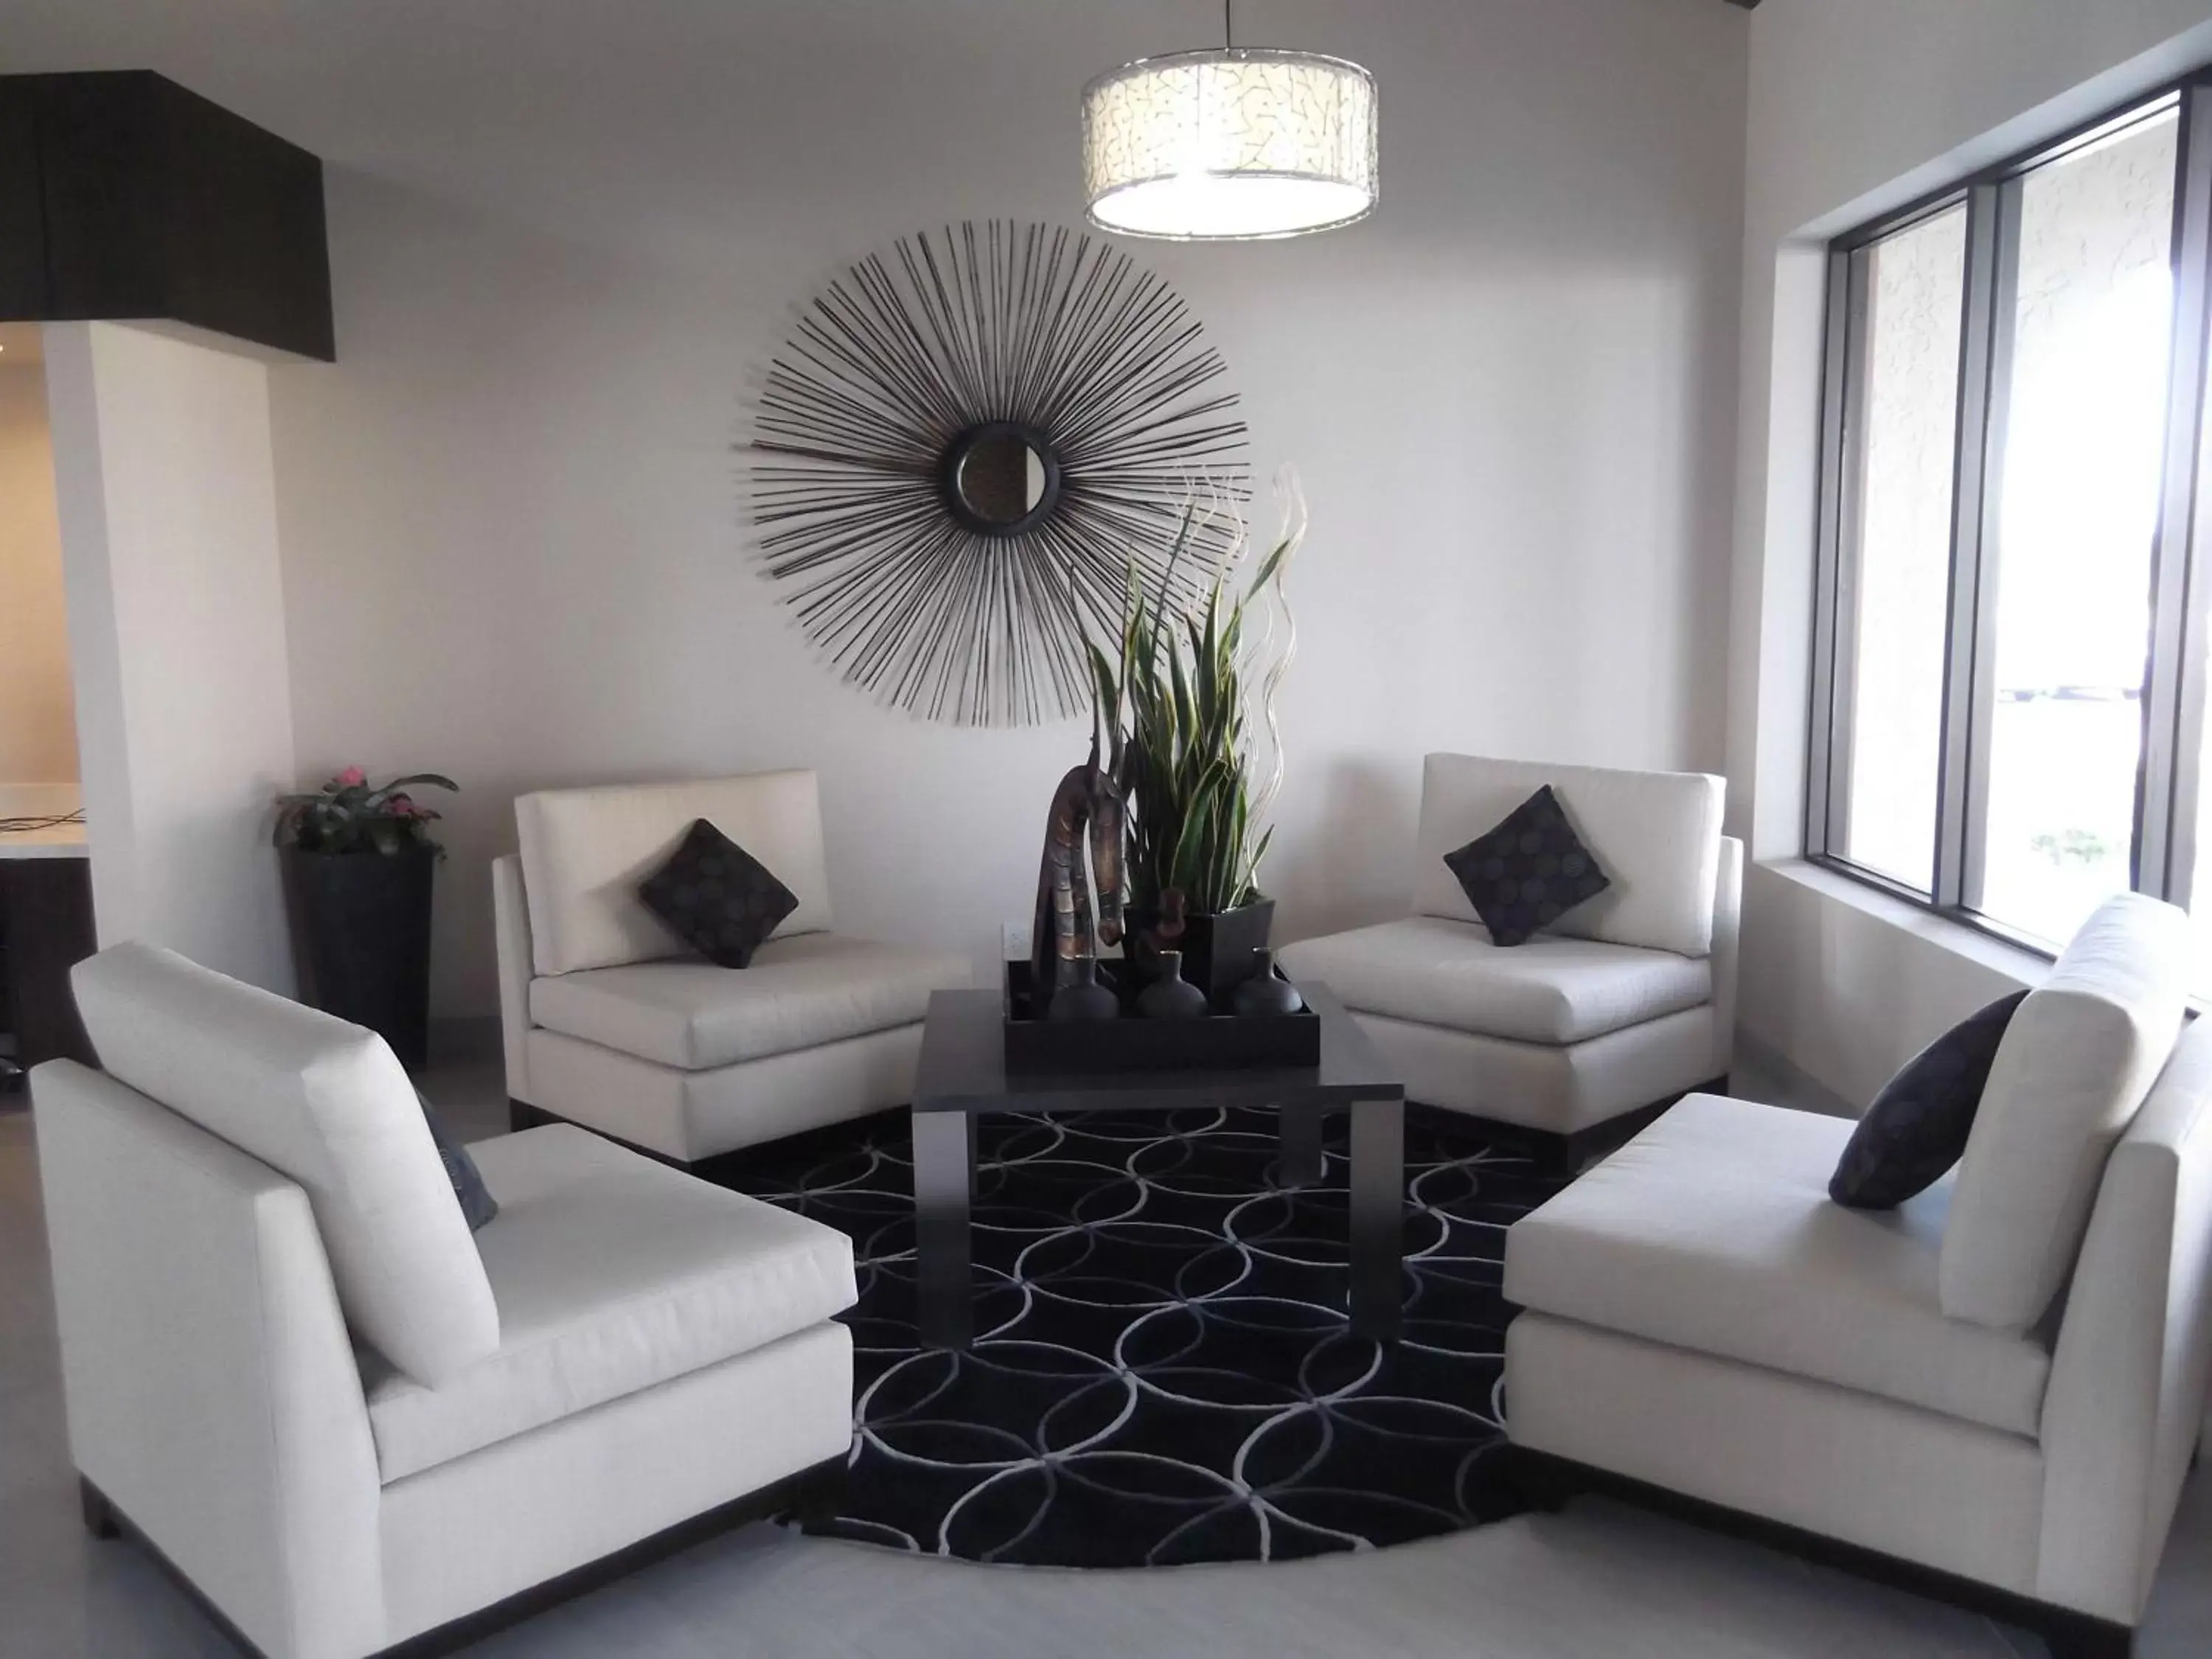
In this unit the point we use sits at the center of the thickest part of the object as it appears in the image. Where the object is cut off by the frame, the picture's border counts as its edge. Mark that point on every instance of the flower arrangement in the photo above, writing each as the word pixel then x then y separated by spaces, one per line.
pixel 349 814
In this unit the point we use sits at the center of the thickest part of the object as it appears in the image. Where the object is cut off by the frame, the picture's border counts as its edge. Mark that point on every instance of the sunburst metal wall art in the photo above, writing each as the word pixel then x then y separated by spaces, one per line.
pixel 963 448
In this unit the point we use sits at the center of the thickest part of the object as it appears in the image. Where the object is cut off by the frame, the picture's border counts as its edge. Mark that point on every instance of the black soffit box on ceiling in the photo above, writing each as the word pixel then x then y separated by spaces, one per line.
pixel 124 198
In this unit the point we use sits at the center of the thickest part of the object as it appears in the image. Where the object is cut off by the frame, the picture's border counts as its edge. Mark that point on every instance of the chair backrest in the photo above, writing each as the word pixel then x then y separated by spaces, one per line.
pixel 2133 1357
pixel 584 851
pixel 1656 835
pixel 2078 1058
pixel 326 1103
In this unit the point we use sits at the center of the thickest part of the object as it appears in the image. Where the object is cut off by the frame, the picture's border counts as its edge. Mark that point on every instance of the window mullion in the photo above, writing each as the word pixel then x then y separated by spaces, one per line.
pixel 2173 688
pixel 1970 510
pixel 1981 641
pixel 1826 784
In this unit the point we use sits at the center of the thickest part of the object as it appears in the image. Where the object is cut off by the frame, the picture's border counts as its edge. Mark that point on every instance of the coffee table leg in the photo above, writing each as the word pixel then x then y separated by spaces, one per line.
pixel 1378 1218
pixel 1299 1162
pixel 943 1180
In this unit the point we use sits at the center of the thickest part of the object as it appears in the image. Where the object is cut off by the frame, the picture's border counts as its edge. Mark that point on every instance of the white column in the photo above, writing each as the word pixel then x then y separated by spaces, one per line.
pixel 166 489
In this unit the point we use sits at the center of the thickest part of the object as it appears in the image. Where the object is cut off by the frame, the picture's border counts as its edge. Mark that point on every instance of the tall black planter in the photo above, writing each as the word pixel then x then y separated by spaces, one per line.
pixel 1217 949
pixel 360 933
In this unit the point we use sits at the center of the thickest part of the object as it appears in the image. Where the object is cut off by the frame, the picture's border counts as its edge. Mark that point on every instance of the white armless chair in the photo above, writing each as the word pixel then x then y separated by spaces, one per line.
pixel 344 1421
pixel 1991 1393
pixel 1593 1026
pixel 611 1021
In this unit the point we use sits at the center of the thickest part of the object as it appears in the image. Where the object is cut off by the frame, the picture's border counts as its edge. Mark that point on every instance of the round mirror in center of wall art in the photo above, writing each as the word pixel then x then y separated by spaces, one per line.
pixel 968 447
pixel 1001 479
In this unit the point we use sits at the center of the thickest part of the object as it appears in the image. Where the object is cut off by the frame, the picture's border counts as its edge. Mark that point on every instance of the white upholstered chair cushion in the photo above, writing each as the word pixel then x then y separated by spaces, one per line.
pixel 2077 1060
pixel 326 1103
pixel 584 851
pixel 1656 835
pixel 614 1273
pixel 1712 1231
pixel 1434 972
pixel 799 994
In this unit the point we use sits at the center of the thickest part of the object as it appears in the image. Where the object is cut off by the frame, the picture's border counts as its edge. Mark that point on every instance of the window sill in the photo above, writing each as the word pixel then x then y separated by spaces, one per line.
pixel 2016 961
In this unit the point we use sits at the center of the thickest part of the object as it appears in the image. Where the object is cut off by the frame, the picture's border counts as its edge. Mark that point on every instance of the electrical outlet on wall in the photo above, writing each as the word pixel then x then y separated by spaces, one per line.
pixel 1014 939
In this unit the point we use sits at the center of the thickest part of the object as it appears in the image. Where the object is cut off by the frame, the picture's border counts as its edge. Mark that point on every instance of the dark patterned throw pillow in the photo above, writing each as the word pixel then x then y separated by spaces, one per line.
pixel 1917 1128
pixel 1528 871
pixel 478 1204
pixel 717 897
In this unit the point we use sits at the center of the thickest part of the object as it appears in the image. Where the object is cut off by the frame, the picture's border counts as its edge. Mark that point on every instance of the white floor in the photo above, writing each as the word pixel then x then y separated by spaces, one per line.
pixel 1599 1582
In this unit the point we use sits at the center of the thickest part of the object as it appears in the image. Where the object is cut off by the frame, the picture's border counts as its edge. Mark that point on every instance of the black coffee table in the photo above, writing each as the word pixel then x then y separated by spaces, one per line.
pixel 963 1074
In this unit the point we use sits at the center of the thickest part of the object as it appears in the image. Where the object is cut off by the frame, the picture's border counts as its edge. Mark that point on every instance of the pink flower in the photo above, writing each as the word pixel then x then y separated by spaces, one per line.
pixel 400 807
pixel 352 778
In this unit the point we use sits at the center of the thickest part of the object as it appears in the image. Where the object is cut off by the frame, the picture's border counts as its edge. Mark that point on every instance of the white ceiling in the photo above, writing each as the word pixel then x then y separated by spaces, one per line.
pixel 617 123
pixel 352 78
pixel 628 118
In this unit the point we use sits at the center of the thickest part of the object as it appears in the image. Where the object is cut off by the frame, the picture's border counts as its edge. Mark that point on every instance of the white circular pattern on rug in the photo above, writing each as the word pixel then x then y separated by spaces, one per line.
pixel 1163 1372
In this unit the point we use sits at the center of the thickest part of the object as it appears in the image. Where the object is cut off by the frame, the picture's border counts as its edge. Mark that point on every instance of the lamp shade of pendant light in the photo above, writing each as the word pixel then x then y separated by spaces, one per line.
pixel 1229 145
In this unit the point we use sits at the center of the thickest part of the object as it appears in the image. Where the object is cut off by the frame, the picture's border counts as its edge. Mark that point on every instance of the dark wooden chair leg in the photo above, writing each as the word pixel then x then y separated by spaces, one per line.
pixel 99 1513
pixel 820 1495
pixel 1569 1153
pixel 1542 1483
pixel 2077 1635
pixel 1562 1155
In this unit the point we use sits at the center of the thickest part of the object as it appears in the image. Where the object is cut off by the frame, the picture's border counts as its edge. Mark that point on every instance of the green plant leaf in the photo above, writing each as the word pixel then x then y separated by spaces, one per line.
pixel 1251 883
pixel 1172 714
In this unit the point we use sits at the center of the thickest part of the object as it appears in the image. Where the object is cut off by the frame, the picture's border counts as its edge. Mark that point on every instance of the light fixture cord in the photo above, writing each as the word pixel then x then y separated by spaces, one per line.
pixel 1229 24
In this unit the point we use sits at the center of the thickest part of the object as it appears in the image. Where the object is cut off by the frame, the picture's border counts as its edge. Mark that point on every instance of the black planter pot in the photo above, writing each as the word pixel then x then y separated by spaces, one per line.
pixel 1217 949
pixel 360 934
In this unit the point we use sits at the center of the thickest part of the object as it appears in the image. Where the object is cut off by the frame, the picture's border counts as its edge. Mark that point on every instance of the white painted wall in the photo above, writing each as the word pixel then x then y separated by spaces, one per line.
pixel 511 523
pixel 1854 108
pixel 37 721
pixel 177 637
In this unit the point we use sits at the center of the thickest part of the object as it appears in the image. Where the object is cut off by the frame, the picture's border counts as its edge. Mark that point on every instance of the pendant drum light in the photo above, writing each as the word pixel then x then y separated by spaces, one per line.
pixel 1233 144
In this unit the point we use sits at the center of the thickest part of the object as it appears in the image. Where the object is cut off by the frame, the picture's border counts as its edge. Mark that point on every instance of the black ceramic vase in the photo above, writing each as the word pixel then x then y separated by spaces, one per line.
pixel 1171 996
pixel 1217 949
pixel 1264 995
pixel 1083 997
pixel 360 933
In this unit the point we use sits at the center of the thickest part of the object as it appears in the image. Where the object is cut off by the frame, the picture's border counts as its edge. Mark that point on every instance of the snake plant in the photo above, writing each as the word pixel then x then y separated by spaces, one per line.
pixel 1175 711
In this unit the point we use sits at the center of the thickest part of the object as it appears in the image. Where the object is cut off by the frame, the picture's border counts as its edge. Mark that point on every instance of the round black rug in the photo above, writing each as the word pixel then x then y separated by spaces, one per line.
pixel 1162 1371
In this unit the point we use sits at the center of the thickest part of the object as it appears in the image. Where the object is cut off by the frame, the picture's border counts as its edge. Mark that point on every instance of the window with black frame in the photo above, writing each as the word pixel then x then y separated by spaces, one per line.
pixel 2009 660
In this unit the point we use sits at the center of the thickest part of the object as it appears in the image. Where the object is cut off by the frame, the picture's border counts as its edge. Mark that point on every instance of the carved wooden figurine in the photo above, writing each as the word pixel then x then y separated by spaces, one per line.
pixel 1067 931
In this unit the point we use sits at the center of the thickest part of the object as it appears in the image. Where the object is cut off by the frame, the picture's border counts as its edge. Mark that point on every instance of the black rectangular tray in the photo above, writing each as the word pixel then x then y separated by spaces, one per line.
pixel 1133 1043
